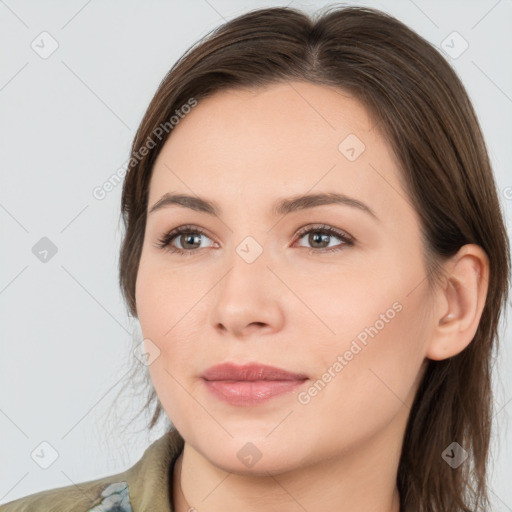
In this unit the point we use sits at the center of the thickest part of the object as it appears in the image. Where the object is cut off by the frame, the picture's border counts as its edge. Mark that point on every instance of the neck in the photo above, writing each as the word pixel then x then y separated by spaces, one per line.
pixel 361 479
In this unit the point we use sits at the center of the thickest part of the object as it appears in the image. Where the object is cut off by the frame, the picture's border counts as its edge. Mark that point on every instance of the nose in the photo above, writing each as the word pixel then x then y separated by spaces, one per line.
pixel 248 299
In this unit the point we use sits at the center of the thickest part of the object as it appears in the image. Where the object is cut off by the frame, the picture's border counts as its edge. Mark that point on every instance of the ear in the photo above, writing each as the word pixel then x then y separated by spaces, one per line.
pixel 459 302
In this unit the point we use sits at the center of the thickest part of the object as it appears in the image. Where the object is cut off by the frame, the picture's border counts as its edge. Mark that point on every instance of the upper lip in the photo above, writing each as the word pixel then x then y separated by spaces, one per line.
pixel 249 372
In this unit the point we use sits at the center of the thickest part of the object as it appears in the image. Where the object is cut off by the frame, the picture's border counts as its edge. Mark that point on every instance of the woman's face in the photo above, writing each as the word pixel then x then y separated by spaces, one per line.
pixel 268 285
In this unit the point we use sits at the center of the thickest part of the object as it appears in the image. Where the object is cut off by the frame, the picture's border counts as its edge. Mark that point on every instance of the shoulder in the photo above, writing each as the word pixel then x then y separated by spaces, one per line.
pixel 109 494
pixel 145 484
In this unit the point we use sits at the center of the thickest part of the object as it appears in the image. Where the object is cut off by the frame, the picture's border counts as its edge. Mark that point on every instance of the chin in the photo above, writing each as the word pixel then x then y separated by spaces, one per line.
pixel 250 455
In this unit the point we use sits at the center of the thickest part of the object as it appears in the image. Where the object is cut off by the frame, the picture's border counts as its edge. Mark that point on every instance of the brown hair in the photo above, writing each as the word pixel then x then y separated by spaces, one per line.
pixel 424 113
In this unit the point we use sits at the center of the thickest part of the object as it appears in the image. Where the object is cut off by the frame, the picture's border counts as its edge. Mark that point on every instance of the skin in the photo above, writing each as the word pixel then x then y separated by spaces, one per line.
pixel 298 310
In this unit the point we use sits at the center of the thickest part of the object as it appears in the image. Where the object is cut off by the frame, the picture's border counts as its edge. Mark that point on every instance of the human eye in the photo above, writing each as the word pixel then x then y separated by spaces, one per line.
pixel 194 235
pixel 190 235
pixel 320 234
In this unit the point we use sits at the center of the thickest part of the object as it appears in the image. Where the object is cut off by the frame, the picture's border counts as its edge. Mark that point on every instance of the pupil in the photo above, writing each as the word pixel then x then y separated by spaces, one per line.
pixel 319 238
pixel 190 237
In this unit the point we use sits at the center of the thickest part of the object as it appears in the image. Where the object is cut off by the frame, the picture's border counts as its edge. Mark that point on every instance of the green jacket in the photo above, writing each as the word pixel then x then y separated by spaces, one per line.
pixel 146 486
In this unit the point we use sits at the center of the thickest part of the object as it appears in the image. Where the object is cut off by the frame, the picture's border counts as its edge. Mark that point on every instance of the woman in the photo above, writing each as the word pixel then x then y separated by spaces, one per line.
pixel 316 255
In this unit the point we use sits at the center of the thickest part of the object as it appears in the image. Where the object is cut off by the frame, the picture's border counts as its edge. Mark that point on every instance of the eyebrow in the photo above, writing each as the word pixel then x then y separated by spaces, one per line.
pixel 280 207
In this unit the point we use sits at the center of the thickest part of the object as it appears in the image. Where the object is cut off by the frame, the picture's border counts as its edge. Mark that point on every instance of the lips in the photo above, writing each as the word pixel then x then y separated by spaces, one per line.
pixel 250 384
pixel 250 372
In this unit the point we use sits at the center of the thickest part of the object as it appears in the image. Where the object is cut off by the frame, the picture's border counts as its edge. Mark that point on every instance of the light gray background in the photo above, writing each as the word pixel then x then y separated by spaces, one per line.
pixel 67 122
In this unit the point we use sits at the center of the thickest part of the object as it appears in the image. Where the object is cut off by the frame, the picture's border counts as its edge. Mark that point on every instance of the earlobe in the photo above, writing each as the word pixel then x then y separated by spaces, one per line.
pixel 460 302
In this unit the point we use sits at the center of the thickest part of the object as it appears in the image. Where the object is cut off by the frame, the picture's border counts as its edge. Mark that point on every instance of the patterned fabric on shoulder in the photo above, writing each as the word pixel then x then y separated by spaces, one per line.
pixel 116 499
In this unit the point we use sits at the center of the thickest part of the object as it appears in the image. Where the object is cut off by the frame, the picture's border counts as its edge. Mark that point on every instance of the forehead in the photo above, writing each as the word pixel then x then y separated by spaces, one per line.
pixel 291 136
pixel 284 115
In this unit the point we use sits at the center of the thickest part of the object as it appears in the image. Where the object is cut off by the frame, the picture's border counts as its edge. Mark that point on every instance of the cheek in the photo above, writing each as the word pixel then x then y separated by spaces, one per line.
pixel 376 355
pixel 169 305
pixel 362 385
pixel 167 317
pixel 162 296
pixel 373 332
pixel 344 302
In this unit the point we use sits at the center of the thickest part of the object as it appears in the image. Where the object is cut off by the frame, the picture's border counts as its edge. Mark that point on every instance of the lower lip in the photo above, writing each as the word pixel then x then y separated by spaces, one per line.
pixel 246 393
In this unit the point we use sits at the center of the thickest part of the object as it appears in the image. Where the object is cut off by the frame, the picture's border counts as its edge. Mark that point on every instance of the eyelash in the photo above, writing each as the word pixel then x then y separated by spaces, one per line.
pixel 165 241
